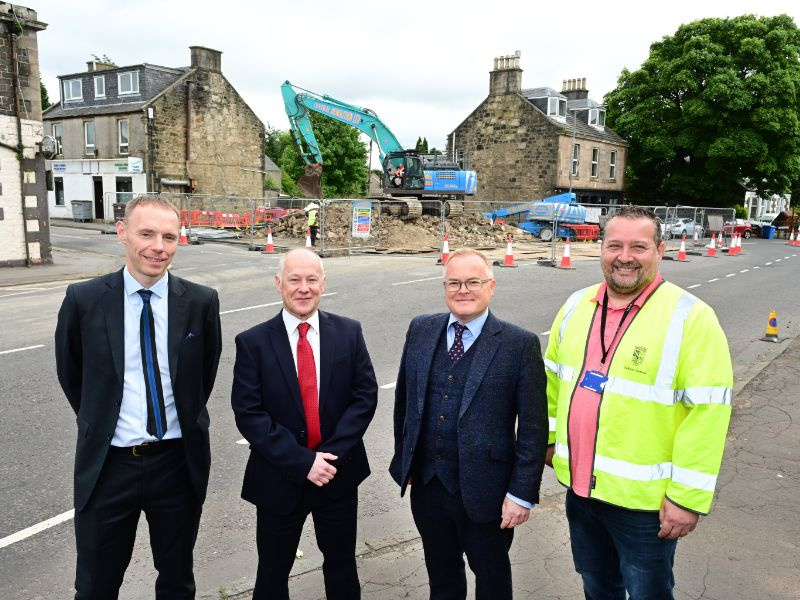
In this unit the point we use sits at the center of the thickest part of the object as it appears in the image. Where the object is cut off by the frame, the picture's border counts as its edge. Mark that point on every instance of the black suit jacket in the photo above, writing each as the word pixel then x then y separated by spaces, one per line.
pixel 269 410
pixel 502 421
pixel 90 362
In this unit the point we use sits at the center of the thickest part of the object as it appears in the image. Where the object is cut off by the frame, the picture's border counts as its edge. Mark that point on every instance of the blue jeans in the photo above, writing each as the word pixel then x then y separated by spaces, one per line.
pixel 616 549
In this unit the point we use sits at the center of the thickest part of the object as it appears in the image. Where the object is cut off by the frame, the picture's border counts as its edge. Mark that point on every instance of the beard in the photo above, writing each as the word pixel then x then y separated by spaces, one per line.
pixel 627 286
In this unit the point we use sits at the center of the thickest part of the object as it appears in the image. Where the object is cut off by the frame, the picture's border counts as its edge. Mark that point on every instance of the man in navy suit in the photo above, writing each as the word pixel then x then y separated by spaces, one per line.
pixel 470 430
pixel 142 441
pixel 304 392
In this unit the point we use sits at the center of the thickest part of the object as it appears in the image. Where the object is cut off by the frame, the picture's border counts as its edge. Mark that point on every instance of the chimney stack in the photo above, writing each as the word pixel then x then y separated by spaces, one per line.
pixel 575 89
pixel 506 78
pixel 206 58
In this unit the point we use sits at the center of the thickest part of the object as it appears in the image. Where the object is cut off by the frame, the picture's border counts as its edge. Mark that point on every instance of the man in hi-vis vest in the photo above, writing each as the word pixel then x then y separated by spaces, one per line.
pixel 639 382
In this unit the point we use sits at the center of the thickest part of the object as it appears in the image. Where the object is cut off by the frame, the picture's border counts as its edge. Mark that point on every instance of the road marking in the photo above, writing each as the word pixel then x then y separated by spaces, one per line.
pixel 75 237
pixel 389 386
pixel 744 271
pixel 233 310
pixel 696 285
pixel 242 442
pixel 183 269
pixel 777 260
pixel 38 528
pixel 20 350
pixel 219 265
pixel 731 275
pixel 785 257
pixel 417 280
pixel 713 280
pixel 767 264
pixel 756 267
pixel 545 332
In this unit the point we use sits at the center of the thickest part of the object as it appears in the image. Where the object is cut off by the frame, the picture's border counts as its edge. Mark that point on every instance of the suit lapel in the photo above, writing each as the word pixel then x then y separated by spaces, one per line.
pixel 279 340
pixel 484 353
pixel 327 350
pixel 431 336
pixel 114 311
pixel 176 323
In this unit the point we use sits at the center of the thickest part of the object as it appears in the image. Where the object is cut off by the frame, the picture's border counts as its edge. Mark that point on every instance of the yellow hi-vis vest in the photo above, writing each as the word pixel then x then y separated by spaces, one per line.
pixel 665 408
pixel 312 217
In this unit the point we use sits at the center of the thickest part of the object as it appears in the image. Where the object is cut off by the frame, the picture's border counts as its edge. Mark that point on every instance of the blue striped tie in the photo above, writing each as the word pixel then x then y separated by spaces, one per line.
pixel 156 413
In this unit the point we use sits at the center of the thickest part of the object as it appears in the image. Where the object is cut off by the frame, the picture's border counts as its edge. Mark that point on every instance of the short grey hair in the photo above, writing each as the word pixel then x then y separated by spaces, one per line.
pixel 149 200
pixel 282 261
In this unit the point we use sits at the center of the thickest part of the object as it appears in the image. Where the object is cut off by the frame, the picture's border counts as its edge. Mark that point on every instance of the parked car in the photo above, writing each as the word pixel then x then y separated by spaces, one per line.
pixel 740 227
pixel 678 227
pixel 765 219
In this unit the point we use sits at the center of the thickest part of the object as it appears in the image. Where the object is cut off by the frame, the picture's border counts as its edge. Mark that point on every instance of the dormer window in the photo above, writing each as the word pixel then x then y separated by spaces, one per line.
pixel 597 118
pixel 557 107
pixel 128 83
pixel 99 87
pixel 73 90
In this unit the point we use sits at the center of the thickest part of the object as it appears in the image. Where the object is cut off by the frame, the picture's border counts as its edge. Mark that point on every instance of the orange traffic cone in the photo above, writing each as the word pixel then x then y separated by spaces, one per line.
pixel 711 249
pixel 183 241
pixel 566 263
pixel 308 239
pixel 508 261
pixel 696 239
pixel 720 242
pixel 445 251
pixel 738 244
pixel 270 247
pixel 772 328
pixel 682 251
pixel 792 239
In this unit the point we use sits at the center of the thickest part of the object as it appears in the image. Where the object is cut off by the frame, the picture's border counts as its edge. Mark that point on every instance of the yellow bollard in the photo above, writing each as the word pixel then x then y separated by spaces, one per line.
pixel 772 328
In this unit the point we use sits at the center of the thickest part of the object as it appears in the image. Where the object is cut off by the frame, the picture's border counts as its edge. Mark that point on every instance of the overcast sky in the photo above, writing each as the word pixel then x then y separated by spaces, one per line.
pixel 423 68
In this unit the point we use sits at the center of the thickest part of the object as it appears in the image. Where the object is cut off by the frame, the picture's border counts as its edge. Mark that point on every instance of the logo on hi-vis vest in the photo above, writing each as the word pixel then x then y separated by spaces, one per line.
pixel 638 355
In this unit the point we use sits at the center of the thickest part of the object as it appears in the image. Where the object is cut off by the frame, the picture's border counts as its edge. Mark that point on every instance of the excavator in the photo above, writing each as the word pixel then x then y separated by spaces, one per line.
pixel 415 181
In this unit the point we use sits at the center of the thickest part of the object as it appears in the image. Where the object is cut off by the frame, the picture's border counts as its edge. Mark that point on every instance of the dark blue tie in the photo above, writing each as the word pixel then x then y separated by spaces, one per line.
pixel 457 349
pixel 156 413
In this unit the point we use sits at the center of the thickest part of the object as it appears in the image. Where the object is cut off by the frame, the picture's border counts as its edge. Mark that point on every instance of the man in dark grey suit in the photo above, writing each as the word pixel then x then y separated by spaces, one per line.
pixel 136 354
pixel 466 380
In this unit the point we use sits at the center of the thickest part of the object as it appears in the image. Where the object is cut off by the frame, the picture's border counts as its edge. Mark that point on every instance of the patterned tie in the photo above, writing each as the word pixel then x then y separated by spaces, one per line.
pixel 457 349
pixel 307 377
pixel 156 413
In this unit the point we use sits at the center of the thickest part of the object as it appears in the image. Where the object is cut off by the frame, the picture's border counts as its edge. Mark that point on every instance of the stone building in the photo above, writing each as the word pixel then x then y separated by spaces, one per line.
pixel 149 128
pixel 520 142
pixel 24 233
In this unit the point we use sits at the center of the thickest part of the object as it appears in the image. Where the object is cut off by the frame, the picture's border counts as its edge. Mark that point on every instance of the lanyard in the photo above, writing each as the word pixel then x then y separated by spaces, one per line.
pixel 603 324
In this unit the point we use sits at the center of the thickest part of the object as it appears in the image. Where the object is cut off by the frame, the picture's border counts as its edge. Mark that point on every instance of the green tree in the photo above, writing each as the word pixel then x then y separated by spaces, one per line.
pixel 275 141
pixel 45 97
pixel 714 106
pixel 418 145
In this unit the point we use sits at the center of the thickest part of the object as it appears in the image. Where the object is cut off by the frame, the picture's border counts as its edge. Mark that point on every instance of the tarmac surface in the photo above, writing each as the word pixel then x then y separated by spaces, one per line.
pixel 746 549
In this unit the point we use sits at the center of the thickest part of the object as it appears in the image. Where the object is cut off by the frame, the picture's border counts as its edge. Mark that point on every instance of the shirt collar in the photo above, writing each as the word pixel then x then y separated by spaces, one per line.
pixel 159 288
pixel 475 326
pixel 639 301
pixel 291 322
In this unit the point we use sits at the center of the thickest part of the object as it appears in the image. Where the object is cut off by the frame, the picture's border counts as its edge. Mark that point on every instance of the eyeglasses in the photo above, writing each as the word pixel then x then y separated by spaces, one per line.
pixel 472 285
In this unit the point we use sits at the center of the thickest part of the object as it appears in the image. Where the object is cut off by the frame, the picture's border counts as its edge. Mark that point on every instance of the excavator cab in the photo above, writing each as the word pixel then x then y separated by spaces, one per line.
pixel 403 174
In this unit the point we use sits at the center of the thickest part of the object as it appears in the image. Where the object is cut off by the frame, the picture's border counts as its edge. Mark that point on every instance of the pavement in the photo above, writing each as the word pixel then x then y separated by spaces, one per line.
pixel 748 548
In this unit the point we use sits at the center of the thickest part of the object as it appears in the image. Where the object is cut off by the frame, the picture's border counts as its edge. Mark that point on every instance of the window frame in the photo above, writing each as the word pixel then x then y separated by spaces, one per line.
pixel 67 89
pixel 597 118
pixel 612 165
pixel 595 162
pixel 560 111
pixel 127 144
pixel 102 80
pixel 89 149
pixel 57 135
pixel 576 156
pixel 58 182
pixel 131 75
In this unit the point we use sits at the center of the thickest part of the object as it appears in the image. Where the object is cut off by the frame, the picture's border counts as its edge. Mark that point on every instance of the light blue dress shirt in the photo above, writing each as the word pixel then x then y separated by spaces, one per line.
pixel 132 422
pixel 468 337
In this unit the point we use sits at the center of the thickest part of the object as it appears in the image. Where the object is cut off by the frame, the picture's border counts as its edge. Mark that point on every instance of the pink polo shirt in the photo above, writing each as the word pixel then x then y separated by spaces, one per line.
pixel 584 411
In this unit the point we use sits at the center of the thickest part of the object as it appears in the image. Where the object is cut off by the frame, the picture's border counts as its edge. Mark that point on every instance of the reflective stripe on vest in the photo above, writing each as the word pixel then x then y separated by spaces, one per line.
pixel 564 372
pixel 635 472
pixel 569 309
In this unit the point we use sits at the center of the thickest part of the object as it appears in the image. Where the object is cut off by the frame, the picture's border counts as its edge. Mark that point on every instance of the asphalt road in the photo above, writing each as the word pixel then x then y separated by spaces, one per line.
pixel 384 293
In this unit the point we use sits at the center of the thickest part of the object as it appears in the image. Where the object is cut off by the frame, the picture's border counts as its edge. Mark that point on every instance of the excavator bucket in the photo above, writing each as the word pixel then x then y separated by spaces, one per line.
pixel 310 184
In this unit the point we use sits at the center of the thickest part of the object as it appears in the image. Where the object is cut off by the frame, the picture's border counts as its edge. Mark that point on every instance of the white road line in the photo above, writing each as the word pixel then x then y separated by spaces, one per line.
pixel 777 260
pixel 744 271
pixel 545 332
pixel 227 312
pixel 756 267
pixel 38 528
pixel 785 257
pixel 183 269
pixel 242 442
pixel 219 265
pixel 767 264
pixel 389 386
pixel 696 285
pixel 713 280
pixel 731 275
pixel 20 350
pixel 417 280
pixel 75 237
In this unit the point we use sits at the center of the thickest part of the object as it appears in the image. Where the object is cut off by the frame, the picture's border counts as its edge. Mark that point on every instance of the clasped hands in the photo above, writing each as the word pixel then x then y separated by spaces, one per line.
pixel 322 471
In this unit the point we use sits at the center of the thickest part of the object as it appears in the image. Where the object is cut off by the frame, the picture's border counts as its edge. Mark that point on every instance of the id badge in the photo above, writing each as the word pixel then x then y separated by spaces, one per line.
pixel 594 381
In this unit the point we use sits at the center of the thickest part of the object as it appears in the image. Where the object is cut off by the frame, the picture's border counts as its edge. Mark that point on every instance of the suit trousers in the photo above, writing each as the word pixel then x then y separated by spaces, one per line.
pixel 277 537
pixel 448 533
pixel 105 530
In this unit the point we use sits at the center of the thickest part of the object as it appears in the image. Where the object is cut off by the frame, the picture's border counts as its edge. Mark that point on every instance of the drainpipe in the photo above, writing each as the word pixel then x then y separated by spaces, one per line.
pixel 188 130
pixel 20 147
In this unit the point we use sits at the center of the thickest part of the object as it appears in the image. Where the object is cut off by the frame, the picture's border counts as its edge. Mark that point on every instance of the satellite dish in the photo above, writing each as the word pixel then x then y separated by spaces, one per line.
pixel 49 147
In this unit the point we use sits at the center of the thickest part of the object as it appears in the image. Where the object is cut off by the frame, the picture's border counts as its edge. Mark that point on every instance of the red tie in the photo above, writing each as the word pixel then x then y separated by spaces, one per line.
pixel 307 377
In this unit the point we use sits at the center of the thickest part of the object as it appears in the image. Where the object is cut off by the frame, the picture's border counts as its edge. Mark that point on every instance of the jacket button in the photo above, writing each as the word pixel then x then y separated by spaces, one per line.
pixel 450 378
pixel 446 397
pixel 441 417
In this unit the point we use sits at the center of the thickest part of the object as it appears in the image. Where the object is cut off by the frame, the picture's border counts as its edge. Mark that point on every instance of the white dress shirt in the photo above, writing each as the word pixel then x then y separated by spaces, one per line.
pixel 132 422
pixel 291 322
